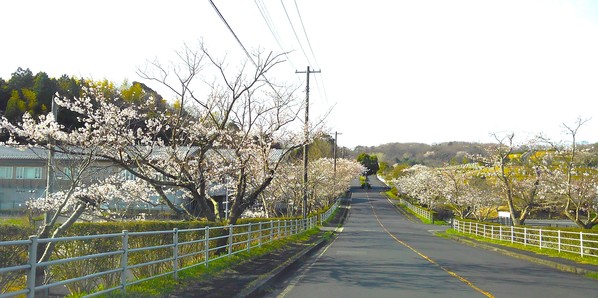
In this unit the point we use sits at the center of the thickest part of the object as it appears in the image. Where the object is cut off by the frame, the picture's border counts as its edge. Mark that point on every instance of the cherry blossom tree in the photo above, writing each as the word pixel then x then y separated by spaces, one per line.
pixel 458 190
pixel 83 187
pixel 240 112
pixel 172 149
pixel 570 180
pixel 514 169
pixel 284 197
pixel 423 184
pixel 482 197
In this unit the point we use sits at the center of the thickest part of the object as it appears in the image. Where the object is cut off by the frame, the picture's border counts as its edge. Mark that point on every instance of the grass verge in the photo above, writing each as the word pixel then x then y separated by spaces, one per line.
pixel 22 221
pixel 547 252
pixel 424 220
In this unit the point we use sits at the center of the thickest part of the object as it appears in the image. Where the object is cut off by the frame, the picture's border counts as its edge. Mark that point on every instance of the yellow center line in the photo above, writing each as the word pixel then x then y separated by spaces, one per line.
pixel 462 279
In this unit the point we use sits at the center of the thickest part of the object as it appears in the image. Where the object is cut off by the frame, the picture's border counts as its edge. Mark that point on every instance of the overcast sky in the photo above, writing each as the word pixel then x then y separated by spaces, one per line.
pixel 392 71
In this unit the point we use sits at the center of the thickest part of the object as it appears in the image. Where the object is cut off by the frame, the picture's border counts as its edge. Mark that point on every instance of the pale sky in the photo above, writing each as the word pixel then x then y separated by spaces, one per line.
pixel 392 71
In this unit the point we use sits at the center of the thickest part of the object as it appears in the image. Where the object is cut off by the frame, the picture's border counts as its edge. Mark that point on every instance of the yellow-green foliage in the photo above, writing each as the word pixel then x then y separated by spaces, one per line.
pixel 13 255
pixel 70 249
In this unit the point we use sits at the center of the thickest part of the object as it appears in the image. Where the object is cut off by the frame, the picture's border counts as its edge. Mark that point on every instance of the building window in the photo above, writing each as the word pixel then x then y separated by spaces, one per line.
pixel 5 172
pixel 128 175
pixel 29 173
pixel 63 174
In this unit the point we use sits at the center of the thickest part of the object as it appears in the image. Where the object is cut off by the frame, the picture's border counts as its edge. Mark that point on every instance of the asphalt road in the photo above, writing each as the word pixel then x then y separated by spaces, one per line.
pixel 382 253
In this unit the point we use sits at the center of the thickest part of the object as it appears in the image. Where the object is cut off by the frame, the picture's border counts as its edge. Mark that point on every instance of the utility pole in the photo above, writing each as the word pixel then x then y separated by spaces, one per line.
pixel 306 135
pixel 50 168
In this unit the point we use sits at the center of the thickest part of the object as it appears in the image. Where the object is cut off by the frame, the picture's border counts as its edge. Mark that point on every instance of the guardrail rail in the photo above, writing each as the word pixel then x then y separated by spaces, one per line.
pixel 581 243
pixel 127 260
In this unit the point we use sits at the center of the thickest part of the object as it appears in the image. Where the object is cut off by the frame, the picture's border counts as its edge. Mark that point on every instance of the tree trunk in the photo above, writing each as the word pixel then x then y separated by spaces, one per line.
pixel 40 273
pixel 198 205
pixel 179 213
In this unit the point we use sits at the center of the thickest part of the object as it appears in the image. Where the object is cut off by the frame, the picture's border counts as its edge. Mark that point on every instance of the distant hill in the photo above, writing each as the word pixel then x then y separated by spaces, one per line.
pixel 419 153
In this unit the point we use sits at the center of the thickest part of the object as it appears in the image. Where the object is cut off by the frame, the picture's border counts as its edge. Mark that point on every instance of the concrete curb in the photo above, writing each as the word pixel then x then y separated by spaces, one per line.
pixel 262 281
pixel 549 263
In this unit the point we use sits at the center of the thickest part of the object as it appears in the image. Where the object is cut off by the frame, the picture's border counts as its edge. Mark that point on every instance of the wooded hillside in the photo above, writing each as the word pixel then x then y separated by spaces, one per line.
pixel 420 153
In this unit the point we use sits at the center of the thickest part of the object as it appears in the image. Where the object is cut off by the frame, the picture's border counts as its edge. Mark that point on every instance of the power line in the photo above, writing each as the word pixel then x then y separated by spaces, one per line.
pixel 243 47
pixel 305 33
pixel 319 82
pixel 232 32
pixel 266 16
pixel 295 32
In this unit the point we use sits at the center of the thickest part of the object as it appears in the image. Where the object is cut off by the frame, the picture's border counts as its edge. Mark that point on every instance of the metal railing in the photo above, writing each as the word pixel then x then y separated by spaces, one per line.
pixel 129 258
pixel 427 214
pixel 581 243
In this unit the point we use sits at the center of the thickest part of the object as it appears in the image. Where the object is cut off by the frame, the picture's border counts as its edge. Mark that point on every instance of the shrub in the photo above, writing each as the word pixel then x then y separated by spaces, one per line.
pixel 13 255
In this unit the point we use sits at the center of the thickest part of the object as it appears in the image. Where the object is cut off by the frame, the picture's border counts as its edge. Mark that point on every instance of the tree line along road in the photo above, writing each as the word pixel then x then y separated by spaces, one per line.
pixel 382 253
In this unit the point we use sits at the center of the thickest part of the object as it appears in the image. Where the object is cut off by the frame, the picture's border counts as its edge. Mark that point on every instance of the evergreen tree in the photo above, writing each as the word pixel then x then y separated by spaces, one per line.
pixel 370 162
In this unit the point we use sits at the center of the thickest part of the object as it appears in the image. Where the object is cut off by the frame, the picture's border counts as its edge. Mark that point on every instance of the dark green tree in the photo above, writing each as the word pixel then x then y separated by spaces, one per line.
pixel 321 147
pixel 68 87
pixel 4 94
pixel 370 162
pixel 45 88
pixel 15 107
pixel 21 79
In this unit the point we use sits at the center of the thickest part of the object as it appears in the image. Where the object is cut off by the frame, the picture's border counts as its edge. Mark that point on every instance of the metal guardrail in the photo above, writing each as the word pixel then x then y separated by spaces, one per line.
pixel 174 255
pixel 583 244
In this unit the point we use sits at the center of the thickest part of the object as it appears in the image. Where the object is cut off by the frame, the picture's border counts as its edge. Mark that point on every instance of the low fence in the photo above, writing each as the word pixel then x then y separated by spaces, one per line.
pixel 581 243
pixel 427 214
pixel 128 258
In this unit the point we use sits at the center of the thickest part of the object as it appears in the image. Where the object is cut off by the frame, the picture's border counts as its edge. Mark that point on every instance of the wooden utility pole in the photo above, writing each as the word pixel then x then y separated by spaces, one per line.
pixel 306 135
pixel 50 179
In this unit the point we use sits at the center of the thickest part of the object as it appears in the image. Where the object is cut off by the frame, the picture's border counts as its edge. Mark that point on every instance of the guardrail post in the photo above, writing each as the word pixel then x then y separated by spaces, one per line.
pixel 33 266
pixel 540 238
pixel 230 240
pixel 581 243
pixel 249 237
pixel 500 232
pixel 206 246
pixel 512 234
pixel 559 239
pixel 271 231
pixel 278 229
pixel 124 260
pixel 259 239
pixel 175 253
pixel 525 236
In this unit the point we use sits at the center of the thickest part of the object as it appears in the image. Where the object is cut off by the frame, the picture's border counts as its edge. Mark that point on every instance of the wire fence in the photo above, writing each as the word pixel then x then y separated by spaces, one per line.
pixel 99 264
pixel 581 243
